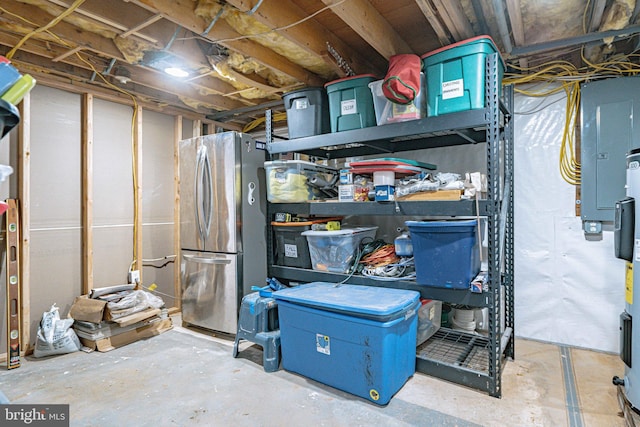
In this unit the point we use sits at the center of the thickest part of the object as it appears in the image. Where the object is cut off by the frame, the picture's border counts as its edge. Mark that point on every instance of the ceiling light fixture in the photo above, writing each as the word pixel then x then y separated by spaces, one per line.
pixel 176 72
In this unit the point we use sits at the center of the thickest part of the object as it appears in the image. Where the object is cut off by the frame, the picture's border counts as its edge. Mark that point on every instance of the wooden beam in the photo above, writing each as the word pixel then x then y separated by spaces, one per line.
pixel 70 33
pixel 181 12
pixel 118 20
pixel 432 16
pixel 187 51
pixel 197 128
pixel 365 20
pixel 24 196
pixel 87 193
pixel 308 35
pixel 454 18
pixel 515 17
pixel 596 15
pixel 517 27
pixel 142 25
pixel 67 53
pixel 137 165
pixel 151 78
pixel 177 137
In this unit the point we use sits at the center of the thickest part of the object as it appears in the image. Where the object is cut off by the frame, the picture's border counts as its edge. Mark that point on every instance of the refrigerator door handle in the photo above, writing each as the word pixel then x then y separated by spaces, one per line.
pixel 197 189
pixel 207 202
pixel 206 260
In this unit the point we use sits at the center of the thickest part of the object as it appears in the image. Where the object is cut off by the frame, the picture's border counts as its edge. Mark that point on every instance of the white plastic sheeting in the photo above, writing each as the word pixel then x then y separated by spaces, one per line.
pixel 567 289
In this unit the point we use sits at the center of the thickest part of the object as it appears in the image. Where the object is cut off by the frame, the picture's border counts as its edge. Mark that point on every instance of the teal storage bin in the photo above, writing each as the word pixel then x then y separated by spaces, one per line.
pixel 445 252
pixel 359 339
pixel 456 75
pixel 351 103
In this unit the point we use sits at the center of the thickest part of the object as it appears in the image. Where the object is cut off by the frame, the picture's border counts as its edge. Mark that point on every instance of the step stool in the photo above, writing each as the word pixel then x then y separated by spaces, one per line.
pixel 258 323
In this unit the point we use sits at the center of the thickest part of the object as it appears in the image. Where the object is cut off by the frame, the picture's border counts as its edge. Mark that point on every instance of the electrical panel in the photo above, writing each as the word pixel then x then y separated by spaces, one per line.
pixel 608 133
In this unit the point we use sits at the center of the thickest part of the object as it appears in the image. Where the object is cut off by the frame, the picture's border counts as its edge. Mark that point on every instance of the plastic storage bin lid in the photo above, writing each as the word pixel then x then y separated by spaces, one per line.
pixel 303 223
pixel 344 79
pixel 478 39
pixel 372 302
pixel 301 164
pixel 333 233
pixel 303 90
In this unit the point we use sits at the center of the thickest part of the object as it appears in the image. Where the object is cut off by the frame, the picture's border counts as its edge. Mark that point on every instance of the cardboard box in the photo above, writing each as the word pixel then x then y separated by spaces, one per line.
pixel 95 310
pixel 87 309
pixel 147 330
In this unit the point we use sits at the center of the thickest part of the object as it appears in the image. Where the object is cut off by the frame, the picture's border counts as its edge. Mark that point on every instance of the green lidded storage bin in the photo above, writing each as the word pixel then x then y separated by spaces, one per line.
pixel 456 75
pixel 351 103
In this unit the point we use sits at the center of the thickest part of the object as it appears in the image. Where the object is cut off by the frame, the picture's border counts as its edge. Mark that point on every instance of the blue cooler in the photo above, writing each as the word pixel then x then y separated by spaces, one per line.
pixel 359 339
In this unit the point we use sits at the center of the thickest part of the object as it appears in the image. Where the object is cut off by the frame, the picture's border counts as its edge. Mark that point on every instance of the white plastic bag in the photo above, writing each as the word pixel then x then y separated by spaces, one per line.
pixel 55 335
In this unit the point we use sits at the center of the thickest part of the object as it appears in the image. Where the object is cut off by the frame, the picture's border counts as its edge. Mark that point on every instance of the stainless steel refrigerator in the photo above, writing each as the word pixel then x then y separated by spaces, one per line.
pixel 222 227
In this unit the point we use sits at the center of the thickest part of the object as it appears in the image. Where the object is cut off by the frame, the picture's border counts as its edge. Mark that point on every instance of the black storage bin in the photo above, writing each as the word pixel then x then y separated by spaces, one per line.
pixel 307 112
pixel 292 249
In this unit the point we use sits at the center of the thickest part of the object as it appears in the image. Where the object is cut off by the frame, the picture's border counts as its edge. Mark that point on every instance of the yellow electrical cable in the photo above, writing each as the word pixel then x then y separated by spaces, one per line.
pixel 277 117
pixel 569 78
pixel 136 207
pixel 59 18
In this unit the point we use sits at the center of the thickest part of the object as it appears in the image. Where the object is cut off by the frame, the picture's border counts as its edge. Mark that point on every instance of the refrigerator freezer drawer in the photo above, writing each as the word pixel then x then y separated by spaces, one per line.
pixel 210 290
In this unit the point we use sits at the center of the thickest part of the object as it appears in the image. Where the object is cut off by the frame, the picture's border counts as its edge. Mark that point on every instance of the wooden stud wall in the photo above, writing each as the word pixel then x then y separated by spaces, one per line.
pixel 87 193
pixel 177 136
pixel 24 197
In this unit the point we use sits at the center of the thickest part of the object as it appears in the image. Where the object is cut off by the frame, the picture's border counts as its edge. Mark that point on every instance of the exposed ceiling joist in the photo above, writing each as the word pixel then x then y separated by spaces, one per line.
pixel 517 27
pixel 143 24
pixel 430 13
pixel 515 17
pixel 153 80
pixel 99 16
pixel 596 15
pixel 308 34
pixel 503 29
pixel 365 20
pixel 181 12
pixel 454 18
pixel 68 32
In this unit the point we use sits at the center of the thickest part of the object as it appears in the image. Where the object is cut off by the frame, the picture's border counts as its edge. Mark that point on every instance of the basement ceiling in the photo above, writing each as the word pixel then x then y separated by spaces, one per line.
pixel 242 55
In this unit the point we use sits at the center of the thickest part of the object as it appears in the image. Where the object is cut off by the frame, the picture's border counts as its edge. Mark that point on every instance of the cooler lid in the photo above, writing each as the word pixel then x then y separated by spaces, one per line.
pixel 382 304
pixel 441 224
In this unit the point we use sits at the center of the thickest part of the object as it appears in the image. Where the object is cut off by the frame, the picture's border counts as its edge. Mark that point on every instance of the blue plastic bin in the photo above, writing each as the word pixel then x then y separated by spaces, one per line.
pixel 456 75
pixel 359 339
pixel 8 75
pixel 445 252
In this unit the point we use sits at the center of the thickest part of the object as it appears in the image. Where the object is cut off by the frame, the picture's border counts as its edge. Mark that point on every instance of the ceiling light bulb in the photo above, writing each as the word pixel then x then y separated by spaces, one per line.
pixel 176 72
pixel 123 79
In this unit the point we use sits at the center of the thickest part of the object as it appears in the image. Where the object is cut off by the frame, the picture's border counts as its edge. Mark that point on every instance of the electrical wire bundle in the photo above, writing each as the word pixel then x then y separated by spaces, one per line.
pixel 558 76
pixel 379 261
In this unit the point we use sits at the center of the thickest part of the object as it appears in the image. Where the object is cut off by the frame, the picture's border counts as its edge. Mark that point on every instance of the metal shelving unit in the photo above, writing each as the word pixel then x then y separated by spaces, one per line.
pixel 472 360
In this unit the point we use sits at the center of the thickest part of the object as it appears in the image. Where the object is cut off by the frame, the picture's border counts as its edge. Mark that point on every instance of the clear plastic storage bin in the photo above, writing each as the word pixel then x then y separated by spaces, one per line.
pixel 294 181
pixel 335 251
pixel 390 112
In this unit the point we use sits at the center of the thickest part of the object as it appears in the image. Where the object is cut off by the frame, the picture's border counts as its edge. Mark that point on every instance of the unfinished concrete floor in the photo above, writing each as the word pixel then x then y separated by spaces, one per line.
pixel 184 377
